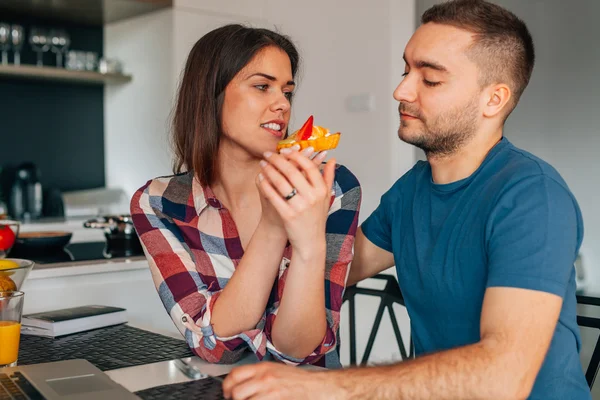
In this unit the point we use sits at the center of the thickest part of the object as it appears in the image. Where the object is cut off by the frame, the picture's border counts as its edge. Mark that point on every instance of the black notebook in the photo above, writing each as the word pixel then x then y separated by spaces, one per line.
pixel 71 320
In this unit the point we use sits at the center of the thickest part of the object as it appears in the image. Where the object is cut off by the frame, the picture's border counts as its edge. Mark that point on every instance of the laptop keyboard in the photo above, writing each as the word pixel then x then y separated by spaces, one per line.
pixel 17 387
pixel 202 389
pixel 107 348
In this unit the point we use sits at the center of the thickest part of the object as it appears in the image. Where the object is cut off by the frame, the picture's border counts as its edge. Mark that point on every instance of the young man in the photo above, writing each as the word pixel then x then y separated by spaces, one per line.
pixel 483 235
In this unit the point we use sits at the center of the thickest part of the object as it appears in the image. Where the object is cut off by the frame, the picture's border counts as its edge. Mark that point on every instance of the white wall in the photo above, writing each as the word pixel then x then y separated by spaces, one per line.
pixel 136 114
pixel 349 48
pixel 402 16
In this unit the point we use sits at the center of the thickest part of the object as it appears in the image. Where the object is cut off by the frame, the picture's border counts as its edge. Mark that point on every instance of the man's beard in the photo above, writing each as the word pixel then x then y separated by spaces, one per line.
pixel 445 134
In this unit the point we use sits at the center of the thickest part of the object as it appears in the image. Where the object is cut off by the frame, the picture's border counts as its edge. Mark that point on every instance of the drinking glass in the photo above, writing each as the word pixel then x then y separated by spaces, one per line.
pixel 17 40
pixel 11 310
pixel 60 41
pixel 40 43
pixel 4 41
pixel 91 61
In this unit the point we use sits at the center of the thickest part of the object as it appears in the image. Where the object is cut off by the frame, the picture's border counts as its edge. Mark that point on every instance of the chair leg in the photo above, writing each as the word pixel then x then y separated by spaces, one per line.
pixel 592 369
pixel 390 308
pixel 352 314
pixel 373 334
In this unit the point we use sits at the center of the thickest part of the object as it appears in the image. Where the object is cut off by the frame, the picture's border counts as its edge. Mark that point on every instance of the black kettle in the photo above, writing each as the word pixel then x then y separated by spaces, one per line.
pixel 121 238
pixel 25 201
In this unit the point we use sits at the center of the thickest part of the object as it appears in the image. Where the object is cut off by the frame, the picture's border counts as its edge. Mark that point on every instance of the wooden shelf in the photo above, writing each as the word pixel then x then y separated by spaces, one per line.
pixel 32 72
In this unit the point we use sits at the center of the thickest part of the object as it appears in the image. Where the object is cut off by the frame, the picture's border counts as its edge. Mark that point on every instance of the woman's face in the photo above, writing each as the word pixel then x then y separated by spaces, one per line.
pixel 256 108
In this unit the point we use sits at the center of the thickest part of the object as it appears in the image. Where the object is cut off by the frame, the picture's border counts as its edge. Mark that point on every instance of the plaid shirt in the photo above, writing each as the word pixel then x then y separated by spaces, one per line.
pixel 193 248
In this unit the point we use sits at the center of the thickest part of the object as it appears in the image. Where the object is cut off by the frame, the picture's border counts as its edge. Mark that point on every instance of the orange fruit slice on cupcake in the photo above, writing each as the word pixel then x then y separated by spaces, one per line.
pixel 310 135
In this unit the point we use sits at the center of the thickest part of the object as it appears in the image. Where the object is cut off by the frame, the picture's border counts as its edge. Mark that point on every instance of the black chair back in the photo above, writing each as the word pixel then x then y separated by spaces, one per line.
pixel 591 322
pixel 389 296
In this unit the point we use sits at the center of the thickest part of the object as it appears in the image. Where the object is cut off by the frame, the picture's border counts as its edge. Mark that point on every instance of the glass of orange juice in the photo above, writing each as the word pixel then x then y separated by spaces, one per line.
pixel 11 309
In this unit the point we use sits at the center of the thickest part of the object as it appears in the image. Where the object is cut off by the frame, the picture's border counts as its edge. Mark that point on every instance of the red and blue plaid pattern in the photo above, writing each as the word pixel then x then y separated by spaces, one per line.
pixel 193 248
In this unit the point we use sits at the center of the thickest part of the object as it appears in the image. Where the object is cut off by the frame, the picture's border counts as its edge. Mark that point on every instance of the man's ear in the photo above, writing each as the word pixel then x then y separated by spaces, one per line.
pixel 497 99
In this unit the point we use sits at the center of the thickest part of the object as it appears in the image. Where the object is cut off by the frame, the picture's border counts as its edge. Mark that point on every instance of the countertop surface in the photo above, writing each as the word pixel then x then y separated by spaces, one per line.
pixel 42 271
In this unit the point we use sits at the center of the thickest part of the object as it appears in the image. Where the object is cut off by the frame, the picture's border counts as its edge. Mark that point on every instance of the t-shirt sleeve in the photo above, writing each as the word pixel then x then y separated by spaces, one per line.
pixel 378 227
pixel 533 236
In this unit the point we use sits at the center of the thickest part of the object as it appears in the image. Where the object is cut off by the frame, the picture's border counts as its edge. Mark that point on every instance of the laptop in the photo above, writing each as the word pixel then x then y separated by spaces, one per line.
pixel 72 379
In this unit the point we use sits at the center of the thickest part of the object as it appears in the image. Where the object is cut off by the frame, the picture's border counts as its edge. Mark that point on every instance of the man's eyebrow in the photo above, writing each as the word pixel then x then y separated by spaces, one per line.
pixel 427 64
pixel 271 78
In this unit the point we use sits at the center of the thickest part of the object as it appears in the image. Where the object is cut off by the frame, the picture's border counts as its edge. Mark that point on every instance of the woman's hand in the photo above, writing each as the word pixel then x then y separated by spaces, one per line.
pixel 295 188
pixel 270 217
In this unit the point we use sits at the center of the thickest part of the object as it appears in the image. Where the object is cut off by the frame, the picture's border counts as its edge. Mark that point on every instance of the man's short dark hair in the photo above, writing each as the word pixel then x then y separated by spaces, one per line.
pixel 502 47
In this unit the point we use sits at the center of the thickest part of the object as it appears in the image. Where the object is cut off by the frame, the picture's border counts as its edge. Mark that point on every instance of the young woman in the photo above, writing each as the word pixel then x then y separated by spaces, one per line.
pixel 249 249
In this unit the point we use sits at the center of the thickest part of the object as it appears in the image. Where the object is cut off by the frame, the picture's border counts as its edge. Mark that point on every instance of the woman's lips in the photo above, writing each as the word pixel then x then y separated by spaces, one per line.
pixel 278 134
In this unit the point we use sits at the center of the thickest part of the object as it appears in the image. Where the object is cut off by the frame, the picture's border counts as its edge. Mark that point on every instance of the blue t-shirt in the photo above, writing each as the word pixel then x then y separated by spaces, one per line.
pixel 512 223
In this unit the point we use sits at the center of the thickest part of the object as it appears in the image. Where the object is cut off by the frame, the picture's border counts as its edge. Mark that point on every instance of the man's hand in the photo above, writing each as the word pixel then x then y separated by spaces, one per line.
pixel 267 380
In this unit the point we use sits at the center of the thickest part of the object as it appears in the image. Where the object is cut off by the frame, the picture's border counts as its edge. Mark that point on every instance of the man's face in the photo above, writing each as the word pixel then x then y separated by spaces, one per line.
pixel 440 96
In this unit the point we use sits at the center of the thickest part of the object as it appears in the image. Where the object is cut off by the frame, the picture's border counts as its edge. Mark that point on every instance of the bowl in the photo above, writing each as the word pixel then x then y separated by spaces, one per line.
pixel 12 277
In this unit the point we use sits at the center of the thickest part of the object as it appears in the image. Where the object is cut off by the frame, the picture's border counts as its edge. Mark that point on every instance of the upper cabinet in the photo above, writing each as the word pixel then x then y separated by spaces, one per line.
pixel 91 12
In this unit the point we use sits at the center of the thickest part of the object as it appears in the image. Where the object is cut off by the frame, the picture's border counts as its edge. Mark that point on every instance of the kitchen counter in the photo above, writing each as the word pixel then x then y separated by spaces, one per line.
pixel 72 268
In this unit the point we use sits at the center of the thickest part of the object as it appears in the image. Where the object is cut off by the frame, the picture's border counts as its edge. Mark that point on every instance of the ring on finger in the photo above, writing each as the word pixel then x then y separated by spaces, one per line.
pixel 291 194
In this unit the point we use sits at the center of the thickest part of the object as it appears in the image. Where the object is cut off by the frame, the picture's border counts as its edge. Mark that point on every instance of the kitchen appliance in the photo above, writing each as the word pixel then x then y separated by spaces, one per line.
pixel 120 234
pixel 25 200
